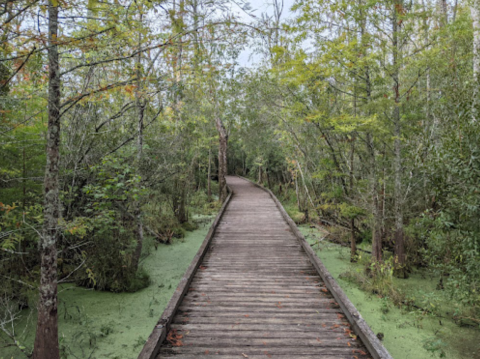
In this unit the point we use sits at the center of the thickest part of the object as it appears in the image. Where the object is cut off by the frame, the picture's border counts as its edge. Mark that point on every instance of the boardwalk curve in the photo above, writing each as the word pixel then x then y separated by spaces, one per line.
pixel 257 292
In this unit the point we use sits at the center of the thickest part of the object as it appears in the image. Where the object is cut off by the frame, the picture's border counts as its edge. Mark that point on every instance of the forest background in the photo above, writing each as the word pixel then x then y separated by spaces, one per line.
pixel 116 115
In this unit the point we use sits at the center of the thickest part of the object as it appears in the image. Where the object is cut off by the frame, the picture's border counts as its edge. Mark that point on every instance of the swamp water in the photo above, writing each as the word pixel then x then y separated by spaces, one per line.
pixel 408 334
pixel 96 325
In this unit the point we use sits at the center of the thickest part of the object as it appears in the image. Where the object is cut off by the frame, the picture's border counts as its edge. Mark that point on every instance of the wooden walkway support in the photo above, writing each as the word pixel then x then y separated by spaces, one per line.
pixel 257 290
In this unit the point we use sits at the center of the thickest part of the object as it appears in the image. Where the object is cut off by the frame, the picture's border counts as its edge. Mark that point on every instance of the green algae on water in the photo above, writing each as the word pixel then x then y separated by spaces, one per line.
pixel 408 334
pixel 96 325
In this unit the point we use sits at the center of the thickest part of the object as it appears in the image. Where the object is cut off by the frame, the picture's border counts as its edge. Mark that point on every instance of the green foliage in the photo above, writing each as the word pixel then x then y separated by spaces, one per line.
pixel 110 228
pixel 452 232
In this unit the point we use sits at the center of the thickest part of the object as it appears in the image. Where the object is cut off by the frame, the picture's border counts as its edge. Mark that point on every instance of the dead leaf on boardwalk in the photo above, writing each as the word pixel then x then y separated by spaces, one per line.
pixel 203 267
pixel 246 315
pixel 267 354
pixel 245 355
pixel 348 343
pixel 264 343
pixel 279 305
pixel 174 338
pixel 361 352
pixel 207 352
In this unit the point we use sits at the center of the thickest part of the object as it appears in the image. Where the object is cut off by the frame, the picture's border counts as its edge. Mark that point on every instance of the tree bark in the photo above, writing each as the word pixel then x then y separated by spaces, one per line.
pixel 268 178
pixel 399 258
pixel 209 180
pixel 377 214
pixel 139 107
pixel 353 241
pixel 46 339
pixel 222 159
pixel 475 14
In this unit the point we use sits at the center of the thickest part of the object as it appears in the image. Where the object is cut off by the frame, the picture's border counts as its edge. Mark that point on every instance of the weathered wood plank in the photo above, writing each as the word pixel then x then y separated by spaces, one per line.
pixel 265 351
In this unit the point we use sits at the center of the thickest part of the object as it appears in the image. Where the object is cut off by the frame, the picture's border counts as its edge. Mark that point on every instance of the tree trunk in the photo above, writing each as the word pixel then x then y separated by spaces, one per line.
pixel 209 181
pixel 24 180
pixel 268 178
pixel 377 213
pixel 297 192
pixel 399 258
pixel 182 208
pixel 353 242
pixel 139 106
pixel 443 13
pixel 222 159
pixel 475 14
pixel 46 339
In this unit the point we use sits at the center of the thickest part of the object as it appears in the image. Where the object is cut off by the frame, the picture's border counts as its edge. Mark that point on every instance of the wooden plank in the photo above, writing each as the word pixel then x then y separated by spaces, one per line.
pixel 264 309
pixel 246 319
pixel 266 352
pixel 316 342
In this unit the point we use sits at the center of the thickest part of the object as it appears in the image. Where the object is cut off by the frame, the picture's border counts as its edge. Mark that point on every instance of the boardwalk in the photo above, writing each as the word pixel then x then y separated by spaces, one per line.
pixel 257 294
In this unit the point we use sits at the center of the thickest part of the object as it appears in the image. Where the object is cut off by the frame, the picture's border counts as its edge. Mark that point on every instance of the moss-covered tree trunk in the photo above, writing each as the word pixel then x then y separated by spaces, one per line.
pixel 140 111
pixel 46 339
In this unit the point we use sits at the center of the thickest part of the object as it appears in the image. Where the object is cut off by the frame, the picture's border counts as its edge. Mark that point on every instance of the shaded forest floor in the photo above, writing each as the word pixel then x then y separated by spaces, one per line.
pixel 409 333
pixel 94 324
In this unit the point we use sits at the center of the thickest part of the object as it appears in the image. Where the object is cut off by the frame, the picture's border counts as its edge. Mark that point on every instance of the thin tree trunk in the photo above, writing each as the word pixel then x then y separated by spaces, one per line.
pixel 46 339
pixel 306 188
pixel 222 159
pixel 377 214
pixel 297 192
pixel 443 13
pixel 24 180
pixel 244 164
pixel 209 181
pixel 268 178
pixel 353 241
pixel 139 106
pixel 399 258
pixel 475 14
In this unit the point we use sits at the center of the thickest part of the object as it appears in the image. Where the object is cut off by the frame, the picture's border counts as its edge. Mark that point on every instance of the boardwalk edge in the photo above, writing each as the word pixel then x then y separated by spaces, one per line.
pixel 159 333
pixel 359 325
